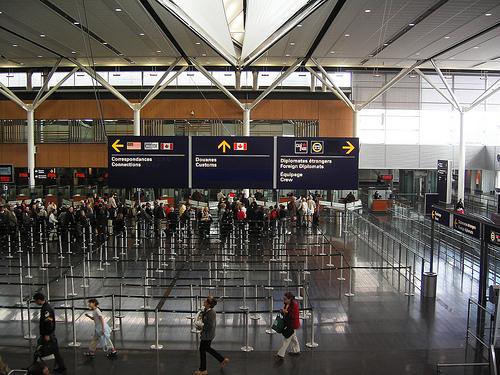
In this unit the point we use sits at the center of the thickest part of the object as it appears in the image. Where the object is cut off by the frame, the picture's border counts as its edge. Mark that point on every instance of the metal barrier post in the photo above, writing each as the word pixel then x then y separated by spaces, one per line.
pixel 330 263
pixel 341 277
pixel 156 345
pixel 145 306
pixel 244 307
pixel 28 266
pixel 271 331
pixel 29 335
pixel 312 344
pixel 113 314
pixel 246 347
pixel 255 315
pixel 408 274
pixel 21 302
pixel 74 343
pixel 350 293
pixel 72 294
pixel 9 255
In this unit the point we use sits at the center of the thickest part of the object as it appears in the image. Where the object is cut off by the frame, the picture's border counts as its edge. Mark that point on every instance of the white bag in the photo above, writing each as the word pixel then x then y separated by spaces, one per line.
pixel 198 321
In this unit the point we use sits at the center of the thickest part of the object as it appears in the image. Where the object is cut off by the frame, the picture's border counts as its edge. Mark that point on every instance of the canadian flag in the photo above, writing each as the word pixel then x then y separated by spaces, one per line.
pixel 240 146
pixel 167 146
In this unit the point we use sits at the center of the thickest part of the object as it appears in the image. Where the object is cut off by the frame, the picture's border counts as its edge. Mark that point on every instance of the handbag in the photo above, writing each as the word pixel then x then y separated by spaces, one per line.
pixel 198 320
pixel 45 349
pixel 278 324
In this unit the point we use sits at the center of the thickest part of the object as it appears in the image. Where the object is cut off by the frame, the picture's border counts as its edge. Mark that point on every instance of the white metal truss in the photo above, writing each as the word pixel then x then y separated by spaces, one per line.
pixel 438 90
pixel 448 88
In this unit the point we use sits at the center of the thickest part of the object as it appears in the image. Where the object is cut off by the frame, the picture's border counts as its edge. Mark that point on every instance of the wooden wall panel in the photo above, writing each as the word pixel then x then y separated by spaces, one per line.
pixel 11 111
pixel 304 110
pixel 335 119
pixel 268 110
pixel 13 153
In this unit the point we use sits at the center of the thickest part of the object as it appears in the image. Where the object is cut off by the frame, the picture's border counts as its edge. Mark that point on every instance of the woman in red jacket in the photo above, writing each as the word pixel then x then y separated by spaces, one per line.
pixel 292 322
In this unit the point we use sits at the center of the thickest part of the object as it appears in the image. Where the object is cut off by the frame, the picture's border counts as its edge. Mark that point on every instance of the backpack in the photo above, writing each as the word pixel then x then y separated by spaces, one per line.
pixel 274 215
pixel 241 215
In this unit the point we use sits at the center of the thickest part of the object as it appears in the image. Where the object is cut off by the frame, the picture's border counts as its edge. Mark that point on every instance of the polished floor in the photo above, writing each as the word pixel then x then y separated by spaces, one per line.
pixel 378 330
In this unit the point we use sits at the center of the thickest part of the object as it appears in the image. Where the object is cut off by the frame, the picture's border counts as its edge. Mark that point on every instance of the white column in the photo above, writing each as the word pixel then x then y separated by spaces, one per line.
pixel 237 84
pixel 255 80
pixel 30 129
pixel 137 119
pixel 246 122
pixel 355 132
pixel 497 180
pixel 461 159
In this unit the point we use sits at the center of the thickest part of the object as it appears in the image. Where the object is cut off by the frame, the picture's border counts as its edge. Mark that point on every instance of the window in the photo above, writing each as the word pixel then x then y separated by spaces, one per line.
pixel 125 78
pixel 14 79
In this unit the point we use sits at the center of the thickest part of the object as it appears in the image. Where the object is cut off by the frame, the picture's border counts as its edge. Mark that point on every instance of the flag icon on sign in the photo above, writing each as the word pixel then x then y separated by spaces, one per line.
pixel 240 146
pixel 167 146
pixel 301 147
pixel 133 145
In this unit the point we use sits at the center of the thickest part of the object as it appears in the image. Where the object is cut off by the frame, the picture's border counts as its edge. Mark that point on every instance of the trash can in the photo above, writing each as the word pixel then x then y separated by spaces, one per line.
pixel 429 281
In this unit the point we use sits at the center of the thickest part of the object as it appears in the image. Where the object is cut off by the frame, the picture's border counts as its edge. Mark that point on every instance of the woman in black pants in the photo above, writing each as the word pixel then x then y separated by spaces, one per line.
pixel 208 319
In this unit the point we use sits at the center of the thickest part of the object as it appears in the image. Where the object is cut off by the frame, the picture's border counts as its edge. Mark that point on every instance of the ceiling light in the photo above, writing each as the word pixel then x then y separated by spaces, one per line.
pixel 386 44
pixel 368 10
pixel 411 24
pixel 0 12
pixel 39 56
pixel 105 43
pixel 376 75
pixel 197 43
pixel 299 25
pixel 203 54
pixel 42 35
pixel 76 23
pixel 141 34
pixel 476 47
pixel 332 51
pixel 451 58
pixel 118 9
pixel 347 35
pixel 120 54
pixel 447 37
pixel 488 14
pixel 158 51
pixel 287 55
pixel 412 76
pixel 15 45
pixel 73 52
pixel 292 43
pixel 418 53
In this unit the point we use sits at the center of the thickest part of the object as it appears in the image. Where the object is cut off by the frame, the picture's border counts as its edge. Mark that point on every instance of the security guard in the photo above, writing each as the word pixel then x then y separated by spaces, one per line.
pixel 47 330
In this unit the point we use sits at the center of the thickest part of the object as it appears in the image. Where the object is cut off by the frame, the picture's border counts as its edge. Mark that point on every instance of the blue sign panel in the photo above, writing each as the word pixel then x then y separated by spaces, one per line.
pixel 441 216
pixel 148 162
pixel 317 163
pixel 235 162
pixel 467 226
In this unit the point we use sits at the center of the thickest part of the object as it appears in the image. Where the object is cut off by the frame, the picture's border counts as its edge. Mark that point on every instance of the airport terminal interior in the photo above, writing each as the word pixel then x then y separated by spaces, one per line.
pixel 295 187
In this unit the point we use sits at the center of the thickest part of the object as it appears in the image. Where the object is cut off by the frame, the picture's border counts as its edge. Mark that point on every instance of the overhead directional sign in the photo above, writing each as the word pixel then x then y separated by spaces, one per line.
pixel 467 226
pixel 6 174
pixel 441 216
pixel 492 235
pixel 317 163
pixel 236 162
pixel 148 161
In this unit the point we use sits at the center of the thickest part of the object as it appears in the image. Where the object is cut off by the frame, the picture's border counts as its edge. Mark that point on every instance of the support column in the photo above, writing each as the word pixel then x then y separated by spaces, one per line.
pixel 355 115
pixel 137 119
pixel 30 129
pixel 246 122
pixel 312 86
pixel 497 181
pixel 461 159
pixel 237 84
pixel 255 80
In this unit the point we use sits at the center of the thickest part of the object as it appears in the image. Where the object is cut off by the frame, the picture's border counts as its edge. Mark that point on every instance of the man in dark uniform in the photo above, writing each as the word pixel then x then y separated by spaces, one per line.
pixel 47 329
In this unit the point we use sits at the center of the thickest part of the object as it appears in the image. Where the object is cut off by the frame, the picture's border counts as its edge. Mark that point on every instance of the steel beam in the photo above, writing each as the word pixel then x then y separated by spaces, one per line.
pixel 151 95
pixel 448 88
pixel 46 82
pixel 103 82
pixel 276 82
pixel 440 92
pixel 485 95
pixel 30 129
pixel 137 118
pixel 332 83
pixel 246 121
pixel 54 88
pixel 338 93
pixel 203 71
pixel 398 77
pixel 9 94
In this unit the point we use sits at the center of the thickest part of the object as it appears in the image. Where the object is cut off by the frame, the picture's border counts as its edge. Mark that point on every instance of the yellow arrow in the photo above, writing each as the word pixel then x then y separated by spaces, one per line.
pixel 117 145
pixel 350 148
pixel 224 145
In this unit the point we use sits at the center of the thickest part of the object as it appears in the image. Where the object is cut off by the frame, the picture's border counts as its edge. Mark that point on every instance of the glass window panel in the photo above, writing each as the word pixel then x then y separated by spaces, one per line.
pixel 83 79
pixel 246 79
pixel 297 79
pixel 151 78
pixel 371 136
pixel 193 79
pixel 226 78
pixel 14 79
pixel 58 76
pixel 36 79
pixel 125 78
pixel 267 78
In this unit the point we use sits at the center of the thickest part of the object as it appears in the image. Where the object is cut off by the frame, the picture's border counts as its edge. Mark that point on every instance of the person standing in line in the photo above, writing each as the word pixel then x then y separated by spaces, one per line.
pixel 47 330
pixel 208 320
pixel 102 332
pixel 292 322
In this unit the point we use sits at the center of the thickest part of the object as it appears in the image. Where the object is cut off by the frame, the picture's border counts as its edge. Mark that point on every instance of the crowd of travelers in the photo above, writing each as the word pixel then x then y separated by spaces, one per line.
pixel 109 215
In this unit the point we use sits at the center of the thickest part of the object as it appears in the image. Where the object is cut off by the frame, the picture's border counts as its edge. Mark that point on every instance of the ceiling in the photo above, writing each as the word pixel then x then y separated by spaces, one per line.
pixel 354 33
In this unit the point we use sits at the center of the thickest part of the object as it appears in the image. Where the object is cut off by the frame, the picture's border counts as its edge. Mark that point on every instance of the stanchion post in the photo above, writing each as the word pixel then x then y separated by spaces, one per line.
pixel 113 314
pixel 312 344
pixel 74 343
pixel 29 335
pixel 341 277
pixel 350 292
pixel 256 315
pixel 269 330
pixel 156 345
pixel 246 347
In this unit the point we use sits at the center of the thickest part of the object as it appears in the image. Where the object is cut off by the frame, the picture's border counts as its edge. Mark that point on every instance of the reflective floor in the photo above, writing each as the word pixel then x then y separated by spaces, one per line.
pixel 378 329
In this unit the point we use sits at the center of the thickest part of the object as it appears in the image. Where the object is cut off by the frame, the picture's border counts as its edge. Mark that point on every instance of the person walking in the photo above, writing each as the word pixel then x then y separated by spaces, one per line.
pixel 47 330
pixel 102 332
pixel 290 313
pixel 208 321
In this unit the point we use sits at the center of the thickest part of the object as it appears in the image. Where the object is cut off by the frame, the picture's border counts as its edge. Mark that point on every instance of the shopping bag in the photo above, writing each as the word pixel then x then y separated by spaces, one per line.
pixel 278 324
pixel 198 320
